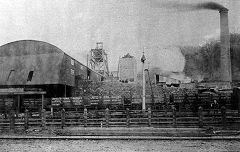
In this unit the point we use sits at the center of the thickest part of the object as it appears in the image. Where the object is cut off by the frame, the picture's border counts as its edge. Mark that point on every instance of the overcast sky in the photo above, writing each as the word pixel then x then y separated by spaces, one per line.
pixel 122 25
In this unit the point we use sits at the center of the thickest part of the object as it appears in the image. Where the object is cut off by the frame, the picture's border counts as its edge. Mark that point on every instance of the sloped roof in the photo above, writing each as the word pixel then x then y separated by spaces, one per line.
pixel 18 58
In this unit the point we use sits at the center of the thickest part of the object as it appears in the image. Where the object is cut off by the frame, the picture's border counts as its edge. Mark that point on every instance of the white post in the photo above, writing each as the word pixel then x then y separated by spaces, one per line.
pixel 51 111
pixel 143 87
pixel 143 83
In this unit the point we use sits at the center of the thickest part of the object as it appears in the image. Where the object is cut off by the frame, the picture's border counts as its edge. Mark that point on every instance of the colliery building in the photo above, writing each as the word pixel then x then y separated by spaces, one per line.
pixel 30 65
pixel 127 68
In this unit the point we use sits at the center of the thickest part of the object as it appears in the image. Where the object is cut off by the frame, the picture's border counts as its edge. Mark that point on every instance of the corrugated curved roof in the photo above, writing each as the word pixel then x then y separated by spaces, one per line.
pixel 25 47
pixel 18 58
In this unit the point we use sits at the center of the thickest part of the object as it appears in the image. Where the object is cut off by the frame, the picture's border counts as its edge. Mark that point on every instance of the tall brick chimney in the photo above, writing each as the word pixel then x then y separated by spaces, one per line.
pixel 225 58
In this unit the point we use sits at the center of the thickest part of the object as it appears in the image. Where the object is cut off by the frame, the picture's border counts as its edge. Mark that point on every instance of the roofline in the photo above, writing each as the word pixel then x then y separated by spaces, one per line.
pixel 55 47
pixel 32 41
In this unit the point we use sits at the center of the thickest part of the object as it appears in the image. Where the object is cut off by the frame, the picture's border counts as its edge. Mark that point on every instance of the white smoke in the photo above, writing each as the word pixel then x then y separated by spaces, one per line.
pixel 167 59
pixel 213 36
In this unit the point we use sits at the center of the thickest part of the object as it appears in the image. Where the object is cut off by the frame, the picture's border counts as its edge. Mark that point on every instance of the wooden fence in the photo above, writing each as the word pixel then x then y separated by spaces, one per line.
pixel 122 118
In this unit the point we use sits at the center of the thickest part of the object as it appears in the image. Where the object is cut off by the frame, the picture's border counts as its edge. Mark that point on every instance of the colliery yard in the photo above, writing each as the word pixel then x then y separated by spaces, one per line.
pixel 168 91
pixel 116 104
pixel 43 87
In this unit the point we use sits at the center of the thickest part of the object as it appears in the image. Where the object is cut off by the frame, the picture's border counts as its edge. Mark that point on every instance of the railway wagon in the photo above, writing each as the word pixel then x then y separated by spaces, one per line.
pixel 183 102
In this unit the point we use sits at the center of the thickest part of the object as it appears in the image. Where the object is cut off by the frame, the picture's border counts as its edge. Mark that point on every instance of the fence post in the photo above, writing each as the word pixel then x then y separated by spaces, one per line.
pixel 51 111
pixel 149 117
pixel 26 119
pixel 200 116
pixel 12 120
pixel 174 116
pixel 223 112
pixel 85 117
pixel 43 119
pixel 165 104
pixel 63 118
pixel 127 118
pixel 107 117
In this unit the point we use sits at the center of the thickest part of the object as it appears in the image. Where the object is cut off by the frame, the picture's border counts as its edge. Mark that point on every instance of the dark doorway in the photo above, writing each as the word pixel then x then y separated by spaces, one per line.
pixel 88 74
pixel 157 78
pixel 30 75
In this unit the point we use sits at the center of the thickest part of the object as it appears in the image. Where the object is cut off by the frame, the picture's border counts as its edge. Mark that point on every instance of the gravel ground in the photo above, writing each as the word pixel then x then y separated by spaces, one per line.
pixel 115 145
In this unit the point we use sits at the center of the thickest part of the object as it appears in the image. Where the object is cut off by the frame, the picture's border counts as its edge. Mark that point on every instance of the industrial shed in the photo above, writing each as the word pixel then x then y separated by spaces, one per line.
pixel 36 65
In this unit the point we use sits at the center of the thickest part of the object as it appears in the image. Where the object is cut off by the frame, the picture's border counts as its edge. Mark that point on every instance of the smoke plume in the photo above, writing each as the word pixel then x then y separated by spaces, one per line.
pixel 210 6
pixel 187 6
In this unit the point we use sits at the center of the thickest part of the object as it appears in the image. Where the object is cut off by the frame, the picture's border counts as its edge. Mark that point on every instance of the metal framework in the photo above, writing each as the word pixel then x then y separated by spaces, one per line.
pixel 98 60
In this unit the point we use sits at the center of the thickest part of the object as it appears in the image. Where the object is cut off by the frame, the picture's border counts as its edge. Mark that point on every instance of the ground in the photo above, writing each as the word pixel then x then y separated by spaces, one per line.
pixel 116 145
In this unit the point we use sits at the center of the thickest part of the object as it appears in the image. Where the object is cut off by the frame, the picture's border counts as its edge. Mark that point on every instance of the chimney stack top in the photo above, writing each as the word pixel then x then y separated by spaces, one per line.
pixel 223 10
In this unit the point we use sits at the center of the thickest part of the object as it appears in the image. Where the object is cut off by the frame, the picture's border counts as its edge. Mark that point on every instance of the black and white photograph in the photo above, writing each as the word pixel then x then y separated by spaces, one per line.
pixel 119 75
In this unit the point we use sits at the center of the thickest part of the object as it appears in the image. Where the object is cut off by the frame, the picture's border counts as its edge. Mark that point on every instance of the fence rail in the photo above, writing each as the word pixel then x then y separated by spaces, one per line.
pixel 122 118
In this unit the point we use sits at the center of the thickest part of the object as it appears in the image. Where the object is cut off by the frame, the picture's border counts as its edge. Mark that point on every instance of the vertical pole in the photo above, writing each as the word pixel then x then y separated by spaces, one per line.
pixel 118 74
pixel 12 120
pixel 223 112
pixel 174 116
pixel 152 95
pixel 51 111
pixel 165 103
pixel 65 90
pixel 149 117
pixel 18 104
pixel 111 98
pixel 107 117
pixel 42 101
pixel 200 116
pixel 5 107
pixel 63 118
pixel 143 91
pixel 143 82
pixel 44 119
pixel 26 119
pixel 85 117
pixel 238 100
pixel 127 117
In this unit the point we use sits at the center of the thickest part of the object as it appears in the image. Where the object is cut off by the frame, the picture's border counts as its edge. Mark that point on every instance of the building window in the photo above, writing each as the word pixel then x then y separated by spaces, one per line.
pixel 72 61
pixel 72 72
pixel 30 75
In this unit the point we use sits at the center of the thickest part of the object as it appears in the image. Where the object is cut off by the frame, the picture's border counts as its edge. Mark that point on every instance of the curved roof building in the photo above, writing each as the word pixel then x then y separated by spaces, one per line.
pixel 36 63
pixel 18 59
